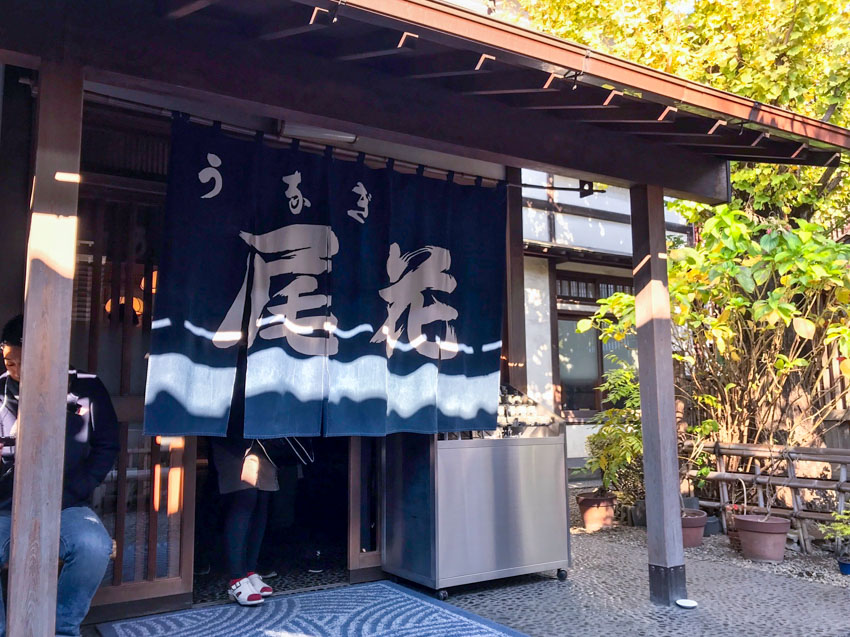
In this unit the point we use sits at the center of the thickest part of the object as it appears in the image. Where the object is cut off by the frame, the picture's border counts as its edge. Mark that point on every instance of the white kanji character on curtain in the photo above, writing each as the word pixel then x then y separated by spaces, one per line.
pixel 297 201
pixel 304 252
pixel 211 173
pixel 363 200
pixel 411 277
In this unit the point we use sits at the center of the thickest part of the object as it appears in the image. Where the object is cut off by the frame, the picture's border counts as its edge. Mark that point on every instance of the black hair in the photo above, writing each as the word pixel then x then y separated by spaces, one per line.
pixel 13 331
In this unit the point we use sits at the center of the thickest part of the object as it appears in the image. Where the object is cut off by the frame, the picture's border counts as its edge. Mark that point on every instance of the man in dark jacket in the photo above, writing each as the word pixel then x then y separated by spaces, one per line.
pixel 91 446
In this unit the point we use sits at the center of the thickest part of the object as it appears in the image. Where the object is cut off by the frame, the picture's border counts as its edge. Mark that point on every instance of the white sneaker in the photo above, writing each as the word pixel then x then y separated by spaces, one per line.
pixel 259 585
pixel 243 593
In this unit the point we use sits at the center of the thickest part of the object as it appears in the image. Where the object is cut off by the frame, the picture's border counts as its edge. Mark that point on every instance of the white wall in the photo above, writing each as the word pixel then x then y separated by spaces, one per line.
pixel 538 332
pixel 574 230
pixel 577 439
pixel 538 349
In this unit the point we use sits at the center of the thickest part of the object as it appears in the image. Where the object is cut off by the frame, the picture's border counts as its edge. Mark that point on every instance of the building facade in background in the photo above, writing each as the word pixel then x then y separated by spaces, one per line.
pixel 577 250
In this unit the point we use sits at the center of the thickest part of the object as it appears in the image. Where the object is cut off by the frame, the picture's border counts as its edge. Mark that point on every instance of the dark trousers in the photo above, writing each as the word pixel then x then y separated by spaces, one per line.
pixel 246 514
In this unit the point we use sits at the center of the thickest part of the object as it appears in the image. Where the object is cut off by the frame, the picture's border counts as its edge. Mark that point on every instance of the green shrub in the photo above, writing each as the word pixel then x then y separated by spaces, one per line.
pixel 616 447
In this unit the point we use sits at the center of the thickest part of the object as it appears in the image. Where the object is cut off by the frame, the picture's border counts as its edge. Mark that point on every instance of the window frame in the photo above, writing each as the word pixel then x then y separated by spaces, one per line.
pixel 576 315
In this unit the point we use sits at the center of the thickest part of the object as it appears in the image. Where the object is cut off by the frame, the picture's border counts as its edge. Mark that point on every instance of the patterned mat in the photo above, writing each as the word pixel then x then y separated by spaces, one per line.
pixel 378 609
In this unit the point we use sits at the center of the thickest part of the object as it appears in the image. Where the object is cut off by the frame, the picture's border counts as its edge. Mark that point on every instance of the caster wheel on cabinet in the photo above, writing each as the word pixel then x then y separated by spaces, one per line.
pixel 562 575
pixel 442 595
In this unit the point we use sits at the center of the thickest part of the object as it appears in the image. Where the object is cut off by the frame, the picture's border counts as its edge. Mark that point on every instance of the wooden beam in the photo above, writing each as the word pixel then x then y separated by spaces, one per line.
pixel 51 254
pixel 650 113
pixel 356 99
pixel 777 151
pixel 374 47
pixel 514 348
pixel 749 139
pixel 509 83
pixel 566 99
pixel 176 9
pixel 292 21
pixel 823 158
pixel 683 125
pixel 657 400
pixel 456 63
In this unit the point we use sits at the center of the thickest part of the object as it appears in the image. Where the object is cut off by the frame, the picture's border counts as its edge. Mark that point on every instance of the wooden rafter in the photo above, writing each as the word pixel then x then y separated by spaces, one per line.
pixel 586 97
pixel 746 140
pixel 292 21
pixel 773 151
pixel 373 47
pixel 652 113
pixel 809 159
pixel 510 83
pixel 175 9
pixel 683 125
pixel 440 65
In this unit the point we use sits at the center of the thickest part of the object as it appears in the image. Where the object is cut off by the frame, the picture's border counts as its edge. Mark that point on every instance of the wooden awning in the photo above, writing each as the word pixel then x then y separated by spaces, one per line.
pixel 537 72
pixel 426 73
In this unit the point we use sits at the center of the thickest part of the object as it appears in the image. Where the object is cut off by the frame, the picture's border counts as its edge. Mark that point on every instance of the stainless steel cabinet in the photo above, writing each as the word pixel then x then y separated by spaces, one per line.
pixel 463 511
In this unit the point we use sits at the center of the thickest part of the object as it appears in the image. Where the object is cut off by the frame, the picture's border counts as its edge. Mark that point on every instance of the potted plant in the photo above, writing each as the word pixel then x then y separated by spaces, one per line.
pixel 762 537
pixel 693 525
pixel 615 449
pixel 839 532
pixel 729 513
pixel 597 507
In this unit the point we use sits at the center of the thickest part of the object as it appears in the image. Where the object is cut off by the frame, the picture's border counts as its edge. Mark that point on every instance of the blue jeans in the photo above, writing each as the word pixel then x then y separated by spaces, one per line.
pixel 84 547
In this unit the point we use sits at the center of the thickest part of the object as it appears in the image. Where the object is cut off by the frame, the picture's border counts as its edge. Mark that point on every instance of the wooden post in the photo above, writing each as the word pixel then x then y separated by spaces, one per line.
pixel 44 388
pixel 759 488
pixel 797 505
pixel 842 478
pixel 724 488
pixel 658 412
pixel 514 347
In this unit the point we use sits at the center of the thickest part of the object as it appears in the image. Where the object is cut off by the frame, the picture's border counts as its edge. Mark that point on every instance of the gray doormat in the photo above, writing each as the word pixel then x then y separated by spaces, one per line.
pixel 377 609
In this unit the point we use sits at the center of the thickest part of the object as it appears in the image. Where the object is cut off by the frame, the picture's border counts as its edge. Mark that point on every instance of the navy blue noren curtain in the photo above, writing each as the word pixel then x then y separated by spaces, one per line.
pixel 372 299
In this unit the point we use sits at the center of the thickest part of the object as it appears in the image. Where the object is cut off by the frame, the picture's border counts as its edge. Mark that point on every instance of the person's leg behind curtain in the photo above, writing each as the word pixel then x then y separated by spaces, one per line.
pixel 257 530
pixel 237 531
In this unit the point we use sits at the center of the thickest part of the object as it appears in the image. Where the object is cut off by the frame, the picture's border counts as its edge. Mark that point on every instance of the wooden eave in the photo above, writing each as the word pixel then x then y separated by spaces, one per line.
pixel 428 74
pixel 531 49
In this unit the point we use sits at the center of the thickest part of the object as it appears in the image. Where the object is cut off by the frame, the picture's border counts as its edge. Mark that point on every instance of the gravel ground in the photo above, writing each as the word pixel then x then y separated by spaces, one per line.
pixel 818 567
pixel 608 594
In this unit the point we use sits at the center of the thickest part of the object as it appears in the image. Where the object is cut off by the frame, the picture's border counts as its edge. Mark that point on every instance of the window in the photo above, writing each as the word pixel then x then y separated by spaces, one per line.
pixel 582 357
pixel 578 358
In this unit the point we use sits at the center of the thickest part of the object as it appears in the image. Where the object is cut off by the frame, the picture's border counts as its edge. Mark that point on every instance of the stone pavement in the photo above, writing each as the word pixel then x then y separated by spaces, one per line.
pixel 607 594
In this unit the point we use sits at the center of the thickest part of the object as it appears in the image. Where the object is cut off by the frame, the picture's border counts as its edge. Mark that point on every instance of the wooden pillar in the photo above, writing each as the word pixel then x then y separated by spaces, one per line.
pixel 44 374
pixel 514 345
pixel 658 414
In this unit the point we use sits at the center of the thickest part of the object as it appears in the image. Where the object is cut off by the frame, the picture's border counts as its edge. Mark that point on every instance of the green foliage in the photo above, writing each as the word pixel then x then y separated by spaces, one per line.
pixel 789 53
pixel 839 529
pixel 759 308
pixel 699 459
pixel 616 447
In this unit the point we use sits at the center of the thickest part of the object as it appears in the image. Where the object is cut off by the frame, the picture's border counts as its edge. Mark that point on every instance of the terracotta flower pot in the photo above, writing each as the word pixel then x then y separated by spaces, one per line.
pixel 597 511
pixel 693 524
pixel 762 539
pixel 639 513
